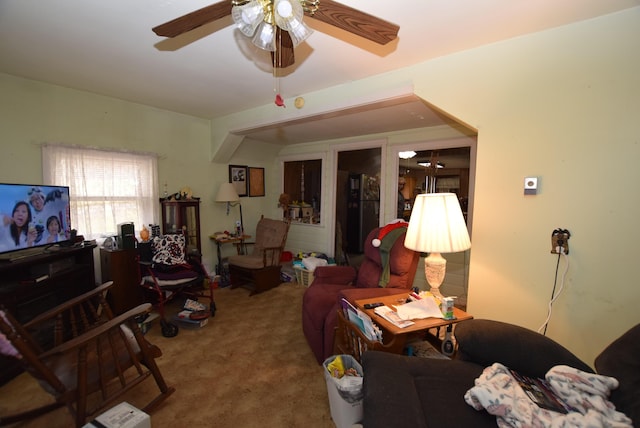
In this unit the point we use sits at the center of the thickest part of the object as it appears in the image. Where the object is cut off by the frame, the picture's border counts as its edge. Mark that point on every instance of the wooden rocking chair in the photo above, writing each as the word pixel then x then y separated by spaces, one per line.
pixel 84 357
pixel 260 270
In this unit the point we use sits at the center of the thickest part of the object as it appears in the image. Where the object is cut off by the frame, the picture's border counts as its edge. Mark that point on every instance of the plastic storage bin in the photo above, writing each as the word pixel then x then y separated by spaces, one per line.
pixel 303 276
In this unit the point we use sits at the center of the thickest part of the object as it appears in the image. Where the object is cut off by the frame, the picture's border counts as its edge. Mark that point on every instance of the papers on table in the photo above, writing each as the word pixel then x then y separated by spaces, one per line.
pixel 419 309
pixel 390 315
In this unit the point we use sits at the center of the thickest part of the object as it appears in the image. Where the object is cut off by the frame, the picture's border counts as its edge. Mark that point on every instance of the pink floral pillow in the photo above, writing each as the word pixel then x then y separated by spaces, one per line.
pixel 169 250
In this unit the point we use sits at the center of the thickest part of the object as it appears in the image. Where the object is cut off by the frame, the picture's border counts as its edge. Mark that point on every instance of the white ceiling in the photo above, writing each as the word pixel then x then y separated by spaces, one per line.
pixel 107 47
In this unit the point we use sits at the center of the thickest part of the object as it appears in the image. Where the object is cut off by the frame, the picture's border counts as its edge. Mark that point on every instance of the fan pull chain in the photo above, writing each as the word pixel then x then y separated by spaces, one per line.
pixel 277 59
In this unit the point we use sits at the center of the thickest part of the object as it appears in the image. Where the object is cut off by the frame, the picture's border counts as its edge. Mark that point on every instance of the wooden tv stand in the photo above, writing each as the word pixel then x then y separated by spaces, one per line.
pixel 34 284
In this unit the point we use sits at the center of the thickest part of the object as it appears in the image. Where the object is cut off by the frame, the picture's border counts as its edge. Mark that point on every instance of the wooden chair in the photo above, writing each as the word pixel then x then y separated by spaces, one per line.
pixel 260 270
pixel 351 341
pixel 84 356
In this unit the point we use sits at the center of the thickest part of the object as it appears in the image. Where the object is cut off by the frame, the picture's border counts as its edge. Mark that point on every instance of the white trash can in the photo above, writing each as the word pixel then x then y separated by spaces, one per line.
pixel 345 394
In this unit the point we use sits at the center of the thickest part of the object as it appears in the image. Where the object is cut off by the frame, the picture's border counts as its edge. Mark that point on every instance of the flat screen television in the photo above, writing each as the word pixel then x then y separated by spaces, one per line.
pixel 34 217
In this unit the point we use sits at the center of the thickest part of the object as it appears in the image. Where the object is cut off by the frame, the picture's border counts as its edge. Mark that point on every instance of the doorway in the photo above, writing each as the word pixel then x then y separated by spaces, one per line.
pixel 435 170
pixel 357 201
pixel 453 163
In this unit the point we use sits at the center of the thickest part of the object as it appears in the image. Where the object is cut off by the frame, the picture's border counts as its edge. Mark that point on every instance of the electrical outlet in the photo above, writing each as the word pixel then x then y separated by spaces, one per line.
pixel 560 241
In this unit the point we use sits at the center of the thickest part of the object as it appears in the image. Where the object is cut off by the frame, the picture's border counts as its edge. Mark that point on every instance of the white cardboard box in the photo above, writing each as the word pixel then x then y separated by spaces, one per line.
pixel 124 415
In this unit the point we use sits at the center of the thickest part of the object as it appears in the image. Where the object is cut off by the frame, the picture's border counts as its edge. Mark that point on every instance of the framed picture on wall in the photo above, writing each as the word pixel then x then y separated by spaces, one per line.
pixel 256 181
pixel 238 177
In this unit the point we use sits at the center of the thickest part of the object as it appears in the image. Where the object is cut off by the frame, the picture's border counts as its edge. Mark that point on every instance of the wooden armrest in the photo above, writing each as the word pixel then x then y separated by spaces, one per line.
pixel 99 330
pixel 274 255
pixel 241 247
pixel 53 312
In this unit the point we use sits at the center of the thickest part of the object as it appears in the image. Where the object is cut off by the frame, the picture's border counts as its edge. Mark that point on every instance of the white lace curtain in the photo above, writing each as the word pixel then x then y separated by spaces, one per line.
pixel 106 187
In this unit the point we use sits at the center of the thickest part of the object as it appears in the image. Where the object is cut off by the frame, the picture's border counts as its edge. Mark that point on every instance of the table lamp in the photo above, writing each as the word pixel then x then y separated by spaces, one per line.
pixel 227 193
pixel 436 226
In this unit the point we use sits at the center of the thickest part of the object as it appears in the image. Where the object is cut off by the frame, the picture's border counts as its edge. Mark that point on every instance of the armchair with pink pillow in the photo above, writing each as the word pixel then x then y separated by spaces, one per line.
pixel 386 269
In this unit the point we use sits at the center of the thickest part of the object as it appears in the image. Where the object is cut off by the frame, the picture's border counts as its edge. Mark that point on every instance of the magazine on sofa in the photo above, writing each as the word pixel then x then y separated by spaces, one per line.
pixel 541 393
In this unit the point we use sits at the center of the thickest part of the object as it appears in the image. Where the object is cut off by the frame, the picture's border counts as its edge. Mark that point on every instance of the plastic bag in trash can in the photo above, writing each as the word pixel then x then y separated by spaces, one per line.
pixel 349 387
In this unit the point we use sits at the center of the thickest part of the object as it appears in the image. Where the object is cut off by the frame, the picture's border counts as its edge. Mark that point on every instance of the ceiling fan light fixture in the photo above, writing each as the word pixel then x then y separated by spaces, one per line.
pixel 288 16
pixel 299 33
pixel 256 20
pixel 248 16
pixel 406 154
pixel 287 13
pixel 284 9
pixel 264 36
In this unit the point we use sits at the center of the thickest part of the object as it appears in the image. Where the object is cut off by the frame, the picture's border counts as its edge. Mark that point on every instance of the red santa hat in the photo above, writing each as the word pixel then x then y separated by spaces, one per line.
pixel 388 228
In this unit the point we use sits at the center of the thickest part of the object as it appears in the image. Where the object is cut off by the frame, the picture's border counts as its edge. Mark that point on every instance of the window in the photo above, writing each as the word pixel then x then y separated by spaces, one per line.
pixel 303 183
pixel 106 187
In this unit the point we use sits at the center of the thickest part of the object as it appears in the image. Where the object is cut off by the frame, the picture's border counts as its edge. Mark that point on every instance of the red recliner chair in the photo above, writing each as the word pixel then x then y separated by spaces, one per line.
pixel 321 300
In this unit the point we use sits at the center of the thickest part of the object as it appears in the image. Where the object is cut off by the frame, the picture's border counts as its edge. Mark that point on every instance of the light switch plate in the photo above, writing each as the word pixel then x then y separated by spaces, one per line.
pixel 531 185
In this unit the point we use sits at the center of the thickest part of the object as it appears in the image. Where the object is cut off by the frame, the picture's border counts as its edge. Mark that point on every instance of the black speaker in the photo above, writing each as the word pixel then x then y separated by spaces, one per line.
pixel 126 236
pixel 145 251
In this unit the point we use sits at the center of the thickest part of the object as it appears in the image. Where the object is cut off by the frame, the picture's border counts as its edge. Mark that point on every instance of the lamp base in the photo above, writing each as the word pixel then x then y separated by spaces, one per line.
pixel 435 267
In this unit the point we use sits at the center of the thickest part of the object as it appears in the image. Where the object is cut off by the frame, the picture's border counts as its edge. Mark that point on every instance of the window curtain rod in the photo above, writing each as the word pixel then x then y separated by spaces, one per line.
pixel 102 149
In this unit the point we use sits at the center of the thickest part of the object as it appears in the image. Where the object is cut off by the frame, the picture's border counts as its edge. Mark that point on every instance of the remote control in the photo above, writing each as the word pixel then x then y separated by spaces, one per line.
pixel 373 305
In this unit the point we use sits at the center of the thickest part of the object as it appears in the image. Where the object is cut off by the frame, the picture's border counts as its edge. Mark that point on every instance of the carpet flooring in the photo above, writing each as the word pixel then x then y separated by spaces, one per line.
pixel 250 366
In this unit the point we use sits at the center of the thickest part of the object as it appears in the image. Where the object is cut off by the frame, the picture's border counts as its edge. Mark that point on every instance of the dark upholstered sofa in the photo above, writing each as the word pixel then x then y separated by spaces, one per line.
pixel 401 391
pixel 321 300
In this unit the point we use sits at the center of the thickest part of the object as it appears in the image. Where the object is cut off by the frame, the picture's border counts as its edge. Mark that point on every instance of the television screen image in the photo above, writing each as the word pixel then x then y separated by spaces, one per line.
pixel 33 216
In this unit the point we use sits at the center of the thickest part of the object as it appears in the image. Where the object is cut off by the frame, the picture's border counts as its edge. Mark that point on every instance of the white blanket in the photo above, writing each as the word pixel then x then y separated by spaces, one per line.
pixel 501 395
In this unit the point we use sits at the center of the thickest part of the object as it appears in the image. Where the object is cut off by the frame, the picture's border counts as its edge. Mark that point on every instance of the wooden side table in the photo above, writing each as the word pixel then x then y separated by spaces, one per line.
pixel 398 336
pixel 220 270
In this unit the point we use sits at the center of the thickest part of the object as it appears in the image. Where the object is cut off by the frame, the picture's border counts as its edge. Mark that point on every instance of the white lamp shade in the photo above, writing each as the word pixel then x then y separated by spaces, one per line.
pixel 227 193
pixel 248 16
pixel 288 16
pixel 264 36
pixel 299 32
pixel 437 225
pixel 284 10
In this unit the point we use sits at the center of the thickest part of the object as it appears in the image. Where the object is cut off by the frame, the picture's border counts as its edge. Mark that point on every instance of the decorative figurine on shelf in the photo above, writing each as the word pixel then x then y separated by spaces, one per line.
pixel 186 193
pixel 144 234
pixel 283 202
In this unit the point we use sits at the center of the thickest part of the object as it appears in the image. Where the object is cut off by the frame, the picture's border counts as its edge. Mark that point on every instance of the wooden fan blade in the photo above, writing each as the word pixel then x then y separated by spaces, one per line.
pixel 354 21
pixel 282 57
pixel 194 20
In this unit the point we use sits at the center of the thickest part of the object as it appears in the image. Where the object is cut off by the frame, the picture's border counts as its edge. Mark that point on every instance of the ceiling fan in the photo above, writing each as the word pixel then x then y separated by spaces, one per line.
pixel 276 25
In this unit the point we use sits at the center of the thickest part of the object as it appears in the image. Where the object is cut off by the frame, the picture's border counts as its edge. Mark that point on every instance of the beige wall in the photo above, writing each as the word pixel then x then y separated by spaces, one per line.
pixel 561 105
